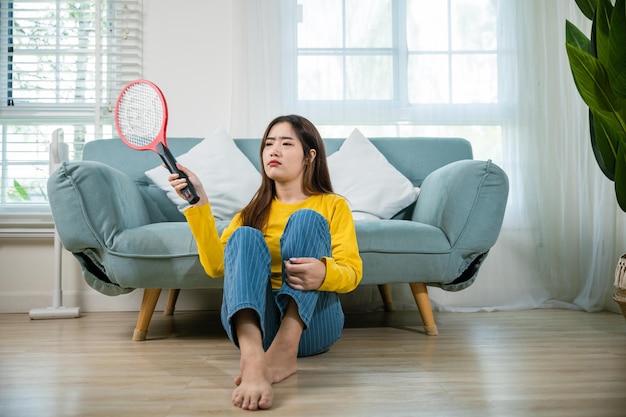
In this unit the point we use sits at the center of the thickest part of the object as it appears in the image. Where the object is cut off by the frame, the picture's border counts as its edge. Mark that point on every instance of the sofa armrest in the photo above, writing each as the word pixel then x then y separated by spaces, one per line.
pixel 92 203
pixel 466 200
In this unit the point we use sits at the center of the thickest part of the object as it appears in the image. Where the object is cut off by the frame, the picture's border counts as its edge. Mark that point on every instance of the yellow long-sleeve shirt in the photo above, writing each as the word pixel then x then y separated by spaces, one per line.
pixel 343 270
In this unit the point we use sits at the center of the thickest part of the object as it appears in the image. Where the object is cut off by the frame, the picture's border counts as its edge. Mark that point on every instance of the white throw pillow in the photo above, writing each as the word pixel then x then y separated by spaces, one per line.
pixel 358 215
pixel 362 174
pixel 227 175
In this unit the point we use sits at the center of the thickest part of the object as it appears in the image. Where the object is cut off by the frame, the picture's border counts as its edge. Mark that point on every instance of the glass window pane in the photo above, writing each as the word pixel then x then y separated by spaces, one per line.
pixel 368 24
pixel 322 24
pixel 320 78
pixel 369 78
pixel 27 183
pixel 474 78
pixel 50 79
pixel 52 42
pixel 427 25
pixel 474 25
pixel 486 140
pixel 428 79
pixel 25 168
pixel 449 59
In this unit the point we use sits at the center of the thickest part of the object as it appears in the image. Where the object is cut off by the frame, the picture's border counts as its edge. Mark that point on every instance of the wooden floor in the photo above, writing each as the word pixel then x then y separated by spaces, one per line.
pixel 528 363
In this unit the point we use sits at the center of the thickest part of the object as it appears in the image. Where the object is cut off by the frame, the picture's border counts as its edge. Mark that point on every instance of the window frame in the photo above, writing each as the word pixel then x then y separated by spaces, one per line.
pixel 92 116
pixel 398 110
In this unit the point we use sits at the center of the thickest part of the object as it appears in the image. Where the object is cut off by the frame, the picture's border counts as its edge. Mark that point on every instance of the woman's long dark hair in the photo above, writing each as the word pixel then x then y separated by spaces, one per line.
pixel 316 179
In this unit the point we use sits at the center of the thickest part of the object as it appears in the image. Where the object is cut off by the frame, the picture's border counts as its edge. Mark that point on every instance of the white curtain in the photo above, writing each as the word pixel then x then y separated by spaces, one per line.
pixel 563 231
pixel 257 66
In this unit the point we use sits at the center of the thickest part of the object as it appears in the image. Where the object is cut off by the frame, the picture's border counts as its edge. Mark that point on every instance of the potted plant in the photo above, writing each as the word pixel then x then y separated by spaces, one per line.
pixel 598 65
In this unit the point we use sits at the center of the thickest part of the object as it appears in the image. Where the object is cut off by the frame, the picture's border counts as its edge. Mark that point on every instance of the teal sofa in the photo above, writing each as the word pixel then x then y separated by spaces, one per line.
pixel 126 234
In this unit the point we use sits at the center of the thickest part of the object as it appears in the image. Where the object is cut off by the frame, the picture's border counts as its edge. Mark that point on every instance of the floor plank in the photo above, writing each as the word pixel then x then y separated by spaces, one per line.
pixel 523 363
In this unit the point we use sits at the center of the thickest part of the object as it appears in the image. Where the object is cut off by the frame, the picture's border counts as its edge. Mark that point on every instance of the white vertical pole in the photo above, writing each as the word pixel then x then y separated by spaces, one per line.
pixel 58 153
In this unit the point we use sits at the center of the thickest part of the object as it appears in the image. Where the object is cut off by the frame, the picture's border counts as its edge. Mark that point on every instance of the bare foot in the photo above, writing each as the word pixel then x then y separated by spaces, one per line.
pixel 281 363
pixel 254 390
pixel 259 370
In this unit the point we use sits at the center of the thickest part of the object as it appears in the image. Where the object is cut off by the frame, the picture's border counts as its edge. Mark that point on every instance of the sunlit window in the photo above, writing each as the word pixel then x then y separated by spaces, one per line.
pixel 392 67
pixel 61 66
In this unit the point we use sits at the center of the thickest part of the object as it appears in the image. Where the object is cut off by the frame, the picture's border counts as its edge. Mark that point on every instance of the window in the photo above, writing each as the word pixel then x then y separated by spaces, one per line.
pixel 401 67
pixel 62 64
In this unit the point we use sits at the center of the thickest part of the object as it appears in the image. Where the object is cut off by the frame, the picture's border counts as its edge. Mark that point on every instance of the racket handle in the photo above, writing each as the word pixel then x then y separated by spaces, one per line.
pixel 189 192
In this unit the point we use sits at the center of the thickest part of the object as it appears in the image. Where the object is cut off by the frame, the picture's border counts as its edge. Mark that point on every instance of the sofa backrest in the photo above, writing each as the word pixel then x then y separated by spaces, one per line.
pixel 414 157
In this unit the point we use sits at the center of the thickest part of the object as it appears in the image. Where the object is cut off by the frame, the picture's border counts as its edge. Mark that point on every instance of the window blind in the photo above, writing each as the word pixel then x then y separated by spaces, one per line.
pixel 62 65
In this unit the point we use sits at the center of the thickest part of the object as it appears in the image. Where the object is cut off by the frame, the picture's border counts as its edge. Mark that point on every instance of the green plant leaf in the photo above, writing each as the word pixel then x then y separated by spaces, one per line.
pixel 599 70
pixel 588 7
pixel 576 38
pixel 604 144
pixel 21 191
pixel 601 29
pixel 617 50
pixel 620 178
pixel 591 80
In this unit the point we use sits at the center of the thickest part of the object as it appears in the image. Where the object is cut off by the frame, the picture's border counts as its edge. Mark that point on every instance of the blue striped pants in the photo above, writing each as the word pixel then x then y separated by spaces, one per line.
pixel 247 270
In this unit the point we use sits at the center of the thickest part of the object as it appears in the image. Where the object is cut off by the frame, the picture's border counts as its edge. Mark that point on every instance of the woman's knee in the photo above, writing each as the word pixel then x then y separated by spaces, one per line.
pixel 245 239
pixel 306 234
pixel 307 218
pixel 245 234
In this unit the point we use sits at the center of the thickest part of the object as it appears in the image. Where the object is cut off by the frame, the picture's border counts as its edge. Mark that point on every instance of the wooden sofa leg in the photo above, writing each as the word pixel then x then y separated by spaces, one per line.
pixel 385 294
pixel 150 298
pixel 172 296
pixel 420 293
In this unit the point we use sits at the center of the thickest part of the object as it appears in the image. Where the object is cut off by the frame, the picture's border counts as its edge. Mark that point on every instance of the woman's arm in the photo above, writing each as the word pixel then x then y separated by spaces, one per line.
pixel 345 269
pixel 202 224
pixel 210 246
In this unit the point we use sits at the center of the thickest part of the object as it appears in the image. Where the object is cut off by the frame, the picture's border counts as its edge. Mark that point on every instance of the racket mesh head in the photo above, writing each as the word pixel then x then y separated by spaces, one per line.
pixel 140 114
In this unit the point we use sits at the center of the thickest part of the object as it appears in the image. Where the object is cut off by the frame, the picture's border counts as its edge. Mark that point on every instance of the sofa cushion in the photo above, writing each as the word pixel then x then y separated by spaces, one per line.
pixel 227 175
pixel 400 236
pixel 368 181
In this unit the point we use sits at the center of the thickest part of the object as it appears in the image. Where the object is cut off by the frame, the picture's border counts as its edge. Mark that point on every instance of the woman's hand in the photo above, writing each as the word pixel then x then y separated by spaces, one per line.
pixel 180 183
pixel 305 273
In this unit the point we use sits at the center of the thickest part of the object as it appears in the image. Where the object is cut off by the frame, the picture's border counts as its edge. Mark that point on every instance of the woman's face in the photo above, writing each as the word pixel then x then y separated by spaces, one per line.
pixel 283 155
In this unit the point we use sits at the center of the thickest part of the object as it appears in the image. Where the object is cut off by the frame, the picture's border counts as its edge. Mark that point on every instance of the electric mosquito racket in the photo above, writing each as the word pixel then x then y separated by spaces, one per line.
pixel 141 121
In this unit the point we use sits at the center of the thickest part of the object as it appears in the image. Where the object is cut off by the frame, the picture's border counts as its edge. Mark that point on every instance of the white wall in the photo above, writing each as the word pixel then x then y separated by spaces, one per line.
pixel 187 52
